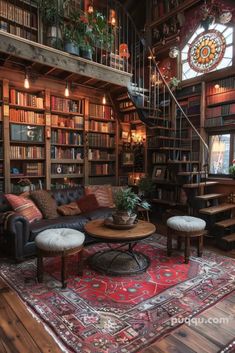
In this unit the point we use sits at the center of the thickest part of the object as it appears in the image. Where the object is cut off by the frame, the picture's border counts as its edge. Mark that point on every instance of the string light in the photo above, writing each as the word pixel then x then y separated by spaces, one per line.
pixel 66 91
pixel 26 81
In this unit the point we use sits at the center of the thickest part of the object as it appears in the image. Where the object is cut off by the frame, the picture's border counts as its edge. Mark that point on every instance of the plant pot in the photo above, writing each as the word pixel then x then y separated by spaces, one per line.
pixel 54 37
pixel 120 217
pixel 86 54
pixel 71 48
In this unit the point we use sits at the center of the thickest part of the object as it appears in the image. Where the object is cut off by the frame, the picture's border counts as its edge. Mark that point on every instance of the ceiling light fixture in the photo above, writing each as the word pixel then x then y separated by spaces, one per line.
pixel 104 100
pixel 66 91
pixel 26 81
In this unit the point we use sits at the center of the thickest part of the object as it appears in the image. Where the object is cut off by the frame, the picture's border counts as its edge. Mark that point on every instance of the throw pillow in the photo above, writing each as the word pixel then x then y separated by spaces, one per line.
pixel 24 207
pixel 70 209
pixel 103 194
pixel 88 203
pixel 45 202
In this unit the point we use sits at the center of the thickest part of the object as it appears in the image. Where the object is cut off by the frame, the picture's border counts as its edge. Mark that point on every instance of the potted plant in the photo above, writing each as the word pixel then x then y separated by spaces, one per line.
pixel 52 15
pixel 126 202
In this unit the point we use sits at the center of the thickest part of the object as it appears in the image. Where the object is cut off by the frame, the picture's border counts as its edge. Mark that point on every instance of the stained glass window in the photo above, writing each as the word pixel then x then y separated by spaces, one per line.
pixel 207 51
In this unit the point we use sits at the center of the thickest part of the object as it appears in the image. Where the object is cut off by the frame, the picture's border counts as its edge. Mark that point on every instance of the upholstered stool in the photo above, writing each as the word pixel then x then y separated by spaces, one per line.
pixel 59 242
pixel 185 227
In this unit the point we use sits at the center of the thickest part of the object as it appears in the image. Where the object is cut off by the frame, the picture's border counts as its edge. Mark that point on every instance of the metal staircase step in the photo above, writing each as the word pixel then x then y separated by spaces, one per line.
pixel 229 238
pixel 226 223
pixel 207 197
pixel 217 209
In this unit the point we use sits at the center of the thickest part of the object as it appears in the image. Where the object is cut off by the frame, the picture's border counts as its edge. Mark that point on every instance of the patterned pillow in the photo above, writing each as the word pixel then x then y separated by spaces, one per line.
pixel 88 203
pixel 24 207
pixel 45 202
pixel 70 209
pixel 103 194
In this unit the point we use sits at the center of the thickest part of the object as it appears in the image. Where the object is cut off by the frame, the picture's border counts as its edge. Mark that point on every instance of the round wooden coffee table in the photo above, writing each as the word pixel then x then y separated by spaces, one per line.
pixel 119 260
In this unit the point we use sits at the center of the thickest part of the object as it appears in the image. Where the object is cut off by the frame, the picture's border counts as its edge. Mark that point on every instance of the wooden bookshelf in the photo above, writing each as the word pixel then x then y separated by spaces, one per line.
pixel 101 138
pixel 1 142
pixel 19 18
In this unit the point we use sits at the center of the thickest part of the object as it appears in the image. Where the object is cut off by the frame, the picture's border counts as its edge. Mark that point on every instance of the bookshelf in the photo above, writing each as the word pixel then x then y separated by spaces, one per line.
pixel 67 142
pixel 27 138
pixel 1 142
pixel 101 139
pixel 19 18
pixel 220 103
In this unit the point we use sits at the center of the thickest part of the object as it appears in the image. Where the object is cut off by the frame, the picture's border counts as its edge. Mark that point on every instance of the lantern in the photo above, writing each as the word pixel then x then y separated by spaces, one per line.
pixel 123 51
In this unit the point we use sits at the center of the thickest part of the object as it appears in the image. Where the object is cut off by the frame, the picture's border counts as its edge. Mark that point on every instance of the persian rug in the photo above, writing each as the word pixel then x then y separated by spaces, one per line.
pixel 104 314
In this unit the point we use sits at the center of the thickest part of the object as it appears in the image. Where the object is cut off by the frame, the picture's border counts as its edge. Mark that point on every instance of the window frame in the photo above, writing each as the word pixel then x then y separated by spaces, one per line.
pixel 231 150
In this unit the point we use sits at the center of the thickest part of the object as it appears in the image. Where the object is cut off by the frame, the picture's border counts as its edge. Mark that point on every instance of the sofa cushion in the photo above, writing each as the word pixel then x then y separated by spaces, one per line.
pixel 103 194
pixel 88 203
pixel 73 222
pixel 71 209
pixel 45 202
pixel 24 207
pixel 65 196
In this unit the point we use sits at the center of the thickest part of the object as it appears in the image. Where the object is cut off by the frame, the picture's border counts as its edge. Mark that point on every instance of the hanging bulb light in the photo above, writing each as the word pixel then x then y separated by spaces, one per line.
pixel 26 81
pixel 104 100
pixel 66 91
pixel 112 17
pixel 174 52
pixel 90 8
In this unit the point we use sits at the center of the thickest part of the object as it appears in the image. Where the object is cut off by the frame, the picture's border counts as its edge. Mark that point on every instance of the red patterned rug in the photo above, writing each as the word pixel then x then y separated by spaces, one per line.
pixel 101 314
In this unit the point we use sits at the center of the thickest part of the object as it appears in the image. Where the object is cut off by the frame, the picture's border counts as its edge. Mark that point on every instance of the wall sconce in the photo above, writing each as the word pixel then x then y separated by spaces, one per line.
pixel 66 91
pixel 26 81
pixel 123 51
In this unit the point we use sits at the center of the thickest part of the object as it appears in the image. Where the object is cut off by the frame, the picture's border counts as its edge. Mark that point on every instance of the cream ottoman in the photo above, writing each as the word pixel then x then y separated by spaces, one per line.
pixel 185 227
pixel 59 242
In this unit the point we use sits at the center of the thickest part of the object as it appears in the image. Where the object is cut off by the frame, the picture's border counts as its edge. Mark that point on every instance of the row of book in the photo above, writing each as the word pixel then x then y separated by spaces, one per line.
pixel 101 140
pixel 67 105
pixel 127 118
pixel 101 126
pixel 25 99
pixel 1 187
pixel 24 116
pixel 67 153
pixel 100 111
pixel 66 169
pixel 64 184
pixel 18 31
pixel 66 137
pixel 100 155
pixel 221 86
pixel 23 152
pixel 28 169
pixel 1 152
pixel 158 157
pixel 126 104
pixel 219 121
pixel 75 122
pixel 1 169
pixel 221 98
pixel 17 14
pixel 101 169
pixel 221 110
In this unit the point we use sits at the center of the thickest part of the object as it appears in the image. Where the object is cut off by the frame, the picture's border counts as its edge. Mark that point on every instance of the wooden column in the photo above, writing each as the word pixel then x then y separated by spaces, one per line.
pixel 203 152
pixel 47 164
pixel 86 147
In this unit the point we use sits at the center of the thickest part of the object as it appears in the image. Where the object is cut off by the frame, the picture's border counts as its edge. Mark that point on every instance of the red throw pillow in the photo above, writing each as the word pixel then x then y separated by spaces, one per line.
pixel 88 203
pixel 103 194
pixel 24 207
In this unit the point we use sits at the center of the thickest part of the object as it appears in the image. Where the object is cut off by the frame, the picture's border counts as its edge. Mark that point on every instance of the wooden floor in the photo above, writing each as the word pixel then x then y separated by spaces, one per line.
pixel 21 333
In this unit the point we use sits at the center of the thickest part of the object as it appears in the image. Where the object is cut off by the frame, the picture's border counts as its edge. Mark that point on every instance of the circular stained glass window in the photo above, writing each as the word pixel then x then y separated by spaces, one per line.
pixel 206 51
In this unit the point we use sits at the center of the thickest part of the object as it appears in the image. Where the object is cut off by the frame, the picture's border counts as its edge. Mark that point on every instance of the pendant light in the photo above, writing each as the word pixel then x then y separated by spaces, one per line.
pixel 66 91
pixel 26 81
pixel 104 100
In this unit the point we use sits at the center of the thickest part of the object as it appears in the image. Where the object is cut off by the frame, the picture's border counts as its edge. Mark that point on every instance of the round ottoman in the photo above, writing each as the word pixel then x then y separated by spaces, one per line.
pixel 59 242
pixel 185 227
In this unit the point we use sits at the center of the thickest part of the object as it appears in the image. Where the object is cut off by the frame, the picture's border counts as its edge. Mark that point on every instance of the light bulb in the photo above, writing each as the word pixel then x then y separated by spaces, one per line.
pixel 26 82
pixel 104 100
pixel 66 91
pixel 90 9
pixel 113 21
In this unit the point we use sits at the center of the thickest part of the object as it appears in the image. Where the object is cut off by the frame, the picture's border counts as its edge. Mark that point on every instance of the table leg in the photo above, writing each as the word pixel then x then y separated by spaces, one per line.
pixel 80 263
pixel 63 271
pixel 169 242
pixel 187 249
pixel 200 246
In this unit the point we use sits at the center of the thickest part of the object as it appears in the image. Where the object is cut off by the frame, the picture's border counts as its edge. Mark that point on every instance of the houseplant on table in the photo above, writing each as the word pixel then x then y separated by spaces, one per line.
pixel 126 202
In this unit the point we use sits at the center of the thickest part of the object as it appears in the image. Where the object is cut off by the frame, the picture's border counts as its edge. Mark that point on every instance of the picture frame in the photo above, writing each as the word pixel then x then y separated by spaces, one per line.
pixel 125 135
pixel 128 159
pixel 159 172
